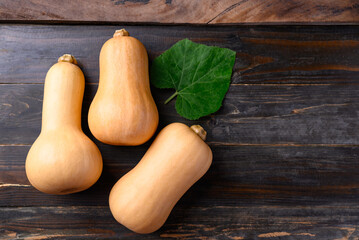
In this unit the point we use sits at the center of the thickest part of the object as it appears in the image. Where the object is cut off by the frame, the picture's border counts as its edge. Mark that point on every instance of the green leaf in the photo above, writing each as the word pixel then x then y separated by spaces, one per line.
pixel 200 75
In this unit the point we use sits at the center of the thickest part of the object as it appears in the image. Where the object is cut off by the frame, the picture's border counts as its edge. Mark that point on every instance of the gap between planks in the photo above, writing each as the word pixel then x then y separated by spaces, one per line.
pixel 205 208
pixel 240 145
pixel 232 84
pixel 175 24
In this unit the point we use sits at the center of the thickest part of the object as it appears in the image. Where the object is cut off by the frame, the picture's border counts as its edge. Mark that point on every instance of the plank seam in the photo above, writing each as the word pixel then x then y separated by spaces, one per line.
pixel 232 84
pixel 179 24
pixel 241 144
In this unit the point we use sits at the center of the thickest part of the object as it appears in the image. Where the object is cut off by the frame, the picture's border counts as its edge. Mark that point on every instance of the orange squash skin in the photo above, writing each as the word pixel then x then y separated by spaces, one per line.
pixel 143 198
pixel 123 111
pixel 63 159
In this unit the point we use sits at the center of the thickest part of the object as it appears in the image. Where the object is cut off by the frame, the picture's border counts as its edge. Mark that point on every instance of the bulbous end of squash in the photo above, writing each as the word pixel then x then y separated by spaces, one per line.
pixel 199 131
pixel 120 33
pixel 67 58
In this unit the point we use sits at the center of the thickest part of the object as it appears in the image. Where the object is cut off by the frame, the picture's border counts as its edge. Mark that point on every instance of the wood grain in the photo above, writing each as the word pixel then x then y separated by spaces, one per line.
pixel 251 114
pixel 213 222
pixel 285 141
pixel 249 175
pixel 265 54
pixel 184 11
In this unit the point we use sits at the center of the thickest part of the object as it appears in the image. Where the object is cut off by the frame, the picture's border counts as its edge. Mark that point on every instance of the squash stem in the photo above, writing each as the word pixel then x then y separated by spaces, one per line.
pixel 67 58
pixel 172 97
pixel 199 131
pixel 120 33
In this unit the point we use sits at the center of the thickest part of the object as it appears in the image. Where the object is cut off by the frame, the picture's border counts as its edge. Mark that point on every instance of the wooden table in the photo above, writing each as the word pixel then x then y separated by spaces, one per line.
pixel 285 142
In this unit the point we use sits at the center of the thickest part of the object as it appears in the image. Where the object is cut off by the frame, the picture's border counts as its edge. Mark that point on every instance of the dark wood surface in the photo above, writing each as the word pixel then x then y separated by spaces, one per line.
pixel 183 11
pixel 281 54
pixel 285 142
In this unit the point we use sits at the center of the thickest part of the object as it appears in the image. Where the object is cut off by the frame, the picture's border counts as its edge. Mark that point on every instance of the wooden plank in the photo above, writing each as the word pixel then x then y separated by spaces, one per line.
pixel 285 155
pixel 213 222
pixel 185 11
pixel 248 175
pixel 251 114
pixel 265 54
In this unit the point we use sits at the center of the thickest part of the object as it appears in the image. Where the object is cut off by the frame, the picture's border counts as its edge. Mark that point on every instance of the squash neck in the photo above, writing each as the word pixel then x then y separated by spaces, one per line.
pixel 63 94
pixel 57 117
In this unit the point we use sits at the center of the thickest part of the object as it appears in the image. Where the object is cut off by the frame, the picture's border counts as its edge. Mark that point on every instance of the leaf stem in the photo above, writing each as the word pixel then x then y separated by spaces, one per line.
pixel 170 98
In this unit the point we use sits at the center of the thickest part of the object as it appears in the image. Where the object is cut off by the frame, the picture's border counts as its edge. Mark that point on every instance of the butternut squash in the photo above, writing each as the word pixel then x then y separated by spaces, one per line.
pixel 63 159
pixel 143 198
pixel 123 111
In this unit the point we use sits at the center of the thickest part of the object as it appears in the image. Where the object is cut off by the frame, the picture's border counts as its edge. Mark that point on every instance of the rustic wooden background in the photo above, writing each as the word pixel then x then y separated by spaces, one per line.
pixel 285 142
pixel 183 11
